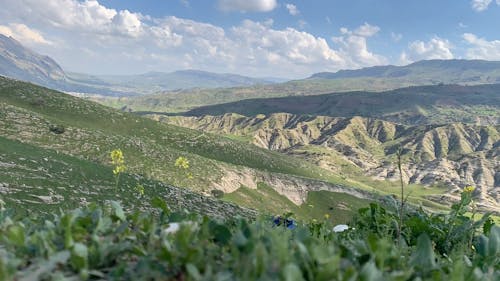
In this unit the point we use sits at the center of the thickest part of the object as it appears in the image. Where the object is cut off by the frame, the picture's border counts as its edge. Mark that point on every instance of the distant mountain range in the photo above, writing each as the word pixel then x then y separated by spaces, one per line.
pixel 19 62
pixel 427 72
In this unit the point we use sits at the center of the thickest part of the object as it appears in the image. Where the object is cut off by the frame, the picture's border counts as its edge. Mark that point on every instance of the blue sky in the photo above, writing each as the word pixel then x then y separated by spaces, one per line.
pixel 284 38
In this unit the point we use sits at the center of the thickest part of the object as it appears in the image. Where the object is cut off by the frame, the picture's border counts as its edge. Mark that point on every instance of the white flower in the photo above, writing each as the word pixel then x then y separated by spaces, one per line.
pixel 173 227
pixel 340 228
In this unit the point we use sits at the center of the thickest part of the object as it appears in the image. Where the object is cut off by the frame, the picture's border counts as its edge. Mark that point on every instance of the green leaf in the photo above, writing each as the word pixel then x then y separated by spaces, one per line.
pixel 193 271
pixel 494 242
pixel 118 211
pixel 221 234
pixel 424 257
pixel 292 272
pixel 15 234
pixel 79 256
pixel 370 272
pixel 157 202
pixel 35 271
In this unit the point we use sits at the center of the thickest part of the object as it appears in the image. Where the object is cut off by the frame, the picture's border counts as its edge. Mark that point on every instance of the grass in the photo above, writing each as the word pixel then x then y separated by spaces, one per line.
pixel 36 180
pixel 339 206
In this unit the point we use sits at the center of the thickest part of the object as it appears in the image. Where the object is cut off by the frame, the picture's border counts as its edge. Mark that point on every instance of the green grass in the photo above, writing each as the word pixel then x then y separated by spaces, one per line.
pixel 339 206
pixel 43 181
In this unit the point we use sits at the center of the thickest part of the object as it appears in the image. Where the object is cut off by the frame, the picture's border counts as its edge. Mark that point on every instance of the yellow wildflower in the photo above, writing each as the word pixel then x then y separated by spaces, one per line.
pixel 117 157
pixel 469 189
pixel 182 163
pixel 327 216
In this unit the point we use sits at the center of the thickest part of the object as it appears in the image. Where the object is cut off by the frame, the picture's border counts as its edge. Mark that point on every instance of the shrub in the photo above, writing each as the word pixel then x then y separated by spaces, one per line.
pixel 217 193
pixel 57 129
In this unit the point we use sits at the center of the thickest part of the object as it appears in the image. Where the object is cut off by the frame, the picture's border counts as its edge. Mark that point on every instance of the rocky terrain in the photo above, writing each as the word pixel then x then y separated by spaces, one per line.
pixel 453 155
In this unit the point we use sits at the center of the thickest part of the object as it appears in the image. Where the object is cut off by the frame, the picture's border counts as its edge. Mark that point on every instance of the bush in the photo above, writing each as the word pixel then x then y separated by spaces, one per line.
pixel 57 129
pixel 217 193
pixel 112 244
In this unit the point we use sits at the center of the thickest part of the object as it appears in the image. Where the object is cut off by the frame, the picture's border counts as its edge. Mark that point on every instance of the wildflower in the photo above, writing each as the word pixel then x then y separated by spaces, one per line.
pixel 118 162
pixel 469 189
pixel 340 228
pixel 182 163
pixel 327 216
pixel 140 190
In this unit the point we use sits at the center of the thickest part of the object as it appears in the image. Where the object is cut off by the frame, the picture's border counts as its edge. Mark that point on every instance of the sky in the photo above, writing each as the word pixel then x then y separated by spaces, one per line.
pixel 260 38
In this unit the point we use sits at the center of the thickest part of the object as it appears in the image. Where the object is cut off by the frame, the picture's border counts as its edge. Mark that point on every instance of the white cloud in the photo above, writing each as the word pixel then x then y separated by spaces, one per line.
pixel 292 9
pixel 482 48
pixel 436 48
pixel 480 5
pixel 86 17
pixel 396 37
pixel 366 30
pixel 23 34
pixel 120 41
pixel 248 5
pixel 354 48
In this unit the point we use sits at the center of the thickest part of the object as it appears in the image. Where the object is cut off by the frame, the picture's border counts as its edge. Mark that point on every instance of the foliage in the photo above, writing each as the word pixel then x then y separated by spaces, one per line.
pixel 107 242
pixel 217 193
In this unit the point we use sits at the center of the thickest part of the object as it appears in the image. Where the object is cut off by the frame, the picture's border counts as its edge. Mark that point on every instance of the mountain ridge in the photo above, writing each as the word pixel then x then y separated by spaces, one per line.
pixel 19 62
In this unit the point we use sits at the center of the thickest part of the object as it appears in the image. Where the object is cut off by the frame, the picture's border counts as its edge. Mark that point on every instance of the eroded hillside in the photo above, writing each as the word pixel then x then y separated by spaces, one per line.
pixel 453 155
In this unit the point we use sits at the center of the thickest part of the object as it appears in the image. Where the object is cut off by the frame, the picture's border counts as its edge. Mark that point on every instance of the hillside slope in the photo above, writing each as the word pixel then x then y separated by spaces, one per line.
pixel 413 105
pixel 453 155
pixel 90 131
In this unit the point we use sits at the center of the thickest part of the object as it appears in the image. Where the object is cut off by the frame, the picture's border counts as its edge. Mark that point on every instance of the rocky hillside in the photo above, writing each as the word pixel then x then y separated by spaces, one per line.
pixel 453 154
pixel 18 62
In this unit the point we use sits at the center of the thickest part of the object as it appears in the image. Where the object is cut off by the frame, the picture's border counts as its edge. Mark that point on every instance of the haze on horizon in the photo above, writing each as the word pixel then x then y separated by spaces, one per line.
pixel 274 38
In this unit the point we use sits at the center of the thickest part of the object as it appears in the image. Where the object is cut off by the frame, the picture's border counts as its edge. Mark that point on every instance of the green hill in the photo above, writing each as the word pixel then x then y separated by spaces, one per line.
pixel 413 105
pixel 453 155
pixel 88 131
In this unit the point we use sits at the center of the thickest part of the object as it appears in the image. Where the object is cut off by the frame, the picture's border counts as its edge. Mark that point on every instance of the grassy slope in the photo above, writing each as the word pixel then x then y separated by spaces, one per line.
pixel 339 206
pixel 44 180
pixel 150 148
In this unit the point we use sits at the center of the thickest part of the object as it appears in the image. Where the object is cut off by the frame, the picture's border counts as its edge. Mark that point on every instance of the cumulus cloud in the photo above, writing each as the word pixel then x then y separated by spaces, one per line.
pixel 366 30
pixel 354 48
pixel 292 9
pixel 248 5
pixel 129 42
pixel 88 16
pixel 481 48
pixel 24 34
pixel 436 48
pixel 480 5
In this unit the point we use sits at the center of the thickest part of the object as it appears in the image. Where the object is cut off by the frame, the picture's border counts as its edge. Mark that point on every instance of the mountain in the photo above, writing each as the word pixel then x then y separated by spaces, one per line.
pixel 427 72
pixel 453 155
pixel 438 104
pixel 18 62
pixel 371 79
pixel 184 79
